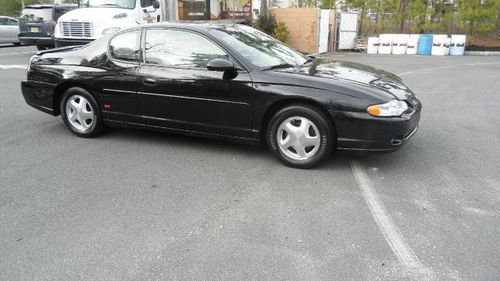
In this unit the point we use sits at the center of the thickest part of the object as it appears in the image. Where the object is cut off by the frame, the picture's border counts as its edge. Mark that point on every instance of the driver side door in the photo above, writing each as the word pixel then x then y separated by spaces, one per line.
pixel 176 89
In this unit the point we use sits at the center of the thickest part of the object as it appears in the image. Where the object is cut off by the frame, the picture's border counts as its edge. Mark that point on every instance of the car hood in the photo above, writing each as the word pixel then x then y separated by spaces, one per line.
pixel 353 73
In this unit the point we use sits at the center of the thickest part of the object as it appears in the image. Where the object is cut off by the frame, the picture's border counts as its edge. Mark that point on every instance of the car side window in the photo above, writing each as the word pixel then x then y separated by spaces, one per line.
pixel 12 22
pixel 3 21
pixel 176 48
pixel 126 46
pixel 147 3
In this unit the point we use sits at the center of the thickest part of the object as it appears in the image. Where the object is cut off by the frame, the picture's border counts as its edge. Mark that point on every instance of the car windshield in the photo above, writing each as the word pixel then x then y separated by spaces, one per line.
pixel 258 48
pixel 126 4
pixel 37 14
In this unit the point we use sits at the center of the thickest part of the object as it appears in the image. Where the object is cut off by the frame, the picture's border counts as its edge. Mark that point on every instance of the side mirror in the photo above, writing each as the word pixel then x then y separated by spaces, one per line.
pixel 156 4
pixel 220 65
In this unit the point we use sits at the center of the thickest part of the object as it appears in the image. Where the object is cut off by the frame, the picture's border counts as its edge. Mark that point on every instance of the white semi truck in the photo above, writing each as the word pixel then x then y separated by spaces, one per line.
pixel 96 18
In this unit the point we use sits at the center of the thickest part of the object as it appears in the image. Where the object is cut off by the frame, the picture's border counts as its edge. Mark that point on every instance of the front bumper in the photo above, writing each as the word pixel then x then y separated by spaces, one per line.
pixel 359 131
pixel 36 40
pixel 63 42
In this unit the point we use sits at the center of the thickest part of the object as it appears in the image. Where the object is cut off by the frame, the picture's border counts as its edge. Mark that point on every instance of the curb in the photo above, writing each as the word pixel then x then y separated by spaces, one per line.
pixel 482 53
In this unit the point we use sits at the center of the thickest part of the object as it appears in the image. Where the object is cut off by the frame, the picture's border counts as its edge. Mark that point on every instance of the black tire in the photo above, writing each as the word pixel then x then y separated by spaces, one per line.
pixel 91 129
pixel 323 127
pixel 41 47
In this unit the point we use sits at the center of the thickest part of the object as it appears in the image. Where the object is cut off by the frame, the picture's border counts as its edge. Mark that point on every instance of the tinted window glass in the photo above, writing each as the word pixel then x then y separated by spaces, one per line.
pixel 37 14
pixel 126 46
pixel 147 3
pixel 12 22
pixel 3 21
pixel 180 49
pixel 127 4
pixel 61 10
pixel 257 47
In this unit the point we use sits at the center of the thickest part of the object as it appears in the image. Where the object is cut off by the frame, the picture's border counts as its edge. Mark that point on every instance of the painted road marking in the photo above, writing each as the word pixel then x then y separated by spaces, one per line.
pixel 392 235
pixel 483 63
pixel 13 66
pixel 20 53
pixel 425 69
pixel 447 66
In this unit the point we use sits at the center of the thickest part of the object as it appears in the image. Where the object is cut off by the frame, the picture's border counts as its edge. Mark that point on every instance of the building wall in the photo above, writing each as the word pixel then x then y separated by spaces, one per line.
pixel 303 26
pixel 213 9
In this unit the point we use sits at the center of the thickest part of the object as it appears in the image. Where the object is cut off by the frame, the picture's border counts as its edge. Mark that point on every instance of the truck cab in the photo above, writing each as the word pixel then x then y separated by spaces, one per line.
pixel 96 18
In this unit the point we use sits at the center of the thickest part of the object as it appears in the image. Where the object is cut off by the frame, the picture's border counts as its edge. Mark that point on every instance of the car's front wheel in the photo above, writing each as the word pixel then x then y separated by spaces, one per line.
pixel 300 136
pixel 80 113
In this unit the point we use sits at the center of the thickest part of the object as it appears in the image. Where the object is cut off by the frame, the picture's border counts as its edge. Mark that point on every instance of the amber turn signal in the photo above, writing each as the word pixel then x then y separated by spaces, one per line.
pixel 374 110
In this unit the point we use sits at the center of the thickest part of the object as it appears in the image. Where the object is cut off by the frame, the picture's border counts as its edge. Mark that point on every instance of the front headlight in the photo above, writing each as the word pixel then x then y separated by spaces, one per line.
pixel 119 16
pixel 392 108
pixel 110 30
pixel 32 60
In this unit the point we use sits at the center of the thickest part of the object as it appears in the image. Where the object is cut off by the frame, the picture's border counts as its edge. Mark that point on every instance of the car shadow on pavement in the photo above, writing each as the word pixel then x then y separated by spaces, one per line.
pixel 338 159
pixel 192 142
pixel 2 46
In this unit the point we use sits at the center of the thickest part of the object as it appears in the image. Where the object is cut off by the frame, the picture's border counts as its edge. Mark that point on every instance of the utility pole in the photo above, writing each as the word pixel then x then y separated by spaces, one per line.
pixel 263 7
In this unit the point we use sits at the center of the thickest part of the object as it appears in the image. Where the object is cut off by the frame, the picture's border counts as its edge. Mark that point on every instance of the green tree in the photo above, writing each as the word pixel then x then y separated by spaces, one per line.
pixel 477 17
pixel 13 7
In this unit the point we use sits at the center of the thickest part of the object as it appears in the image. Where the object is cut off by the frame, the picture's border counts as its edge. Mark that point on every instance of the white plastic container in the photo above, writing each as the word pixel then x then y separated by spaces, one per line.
pixel 372 45
pixel 385 44
pixel 411 46
pixel 399 42
pixel 438 45
pixel 457 46
pixel 447 46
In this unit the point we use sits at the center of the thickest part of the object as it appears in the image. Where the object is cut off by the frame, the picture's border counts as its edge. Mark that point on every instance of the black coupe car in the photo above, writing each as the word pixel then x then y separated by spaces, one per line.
pixel 223 81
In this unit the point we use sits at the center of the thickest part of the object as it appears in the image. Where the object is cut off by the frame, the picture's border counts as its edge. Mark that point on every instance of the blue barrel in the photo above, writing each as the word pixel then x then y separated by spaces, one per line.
pixel 424 45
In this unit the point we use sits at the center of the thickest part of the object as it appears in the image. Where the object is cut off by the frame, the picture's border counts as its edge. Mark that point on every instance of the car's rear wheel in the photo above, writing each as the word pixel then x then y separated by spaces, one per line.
pixel 300 136
pixel 81 113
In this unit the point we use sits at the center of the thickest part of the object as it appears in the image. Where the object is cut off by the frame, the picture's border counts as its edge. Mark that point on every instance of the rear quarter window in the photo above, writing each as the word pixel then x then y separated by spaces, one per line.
pixel 126 46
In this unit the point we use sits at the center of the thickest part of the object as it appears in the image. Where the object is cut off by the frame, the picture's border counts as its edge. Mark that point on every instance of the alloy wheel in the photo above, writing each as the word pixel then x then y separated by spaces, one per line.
pixel 80 113
pixel 298 138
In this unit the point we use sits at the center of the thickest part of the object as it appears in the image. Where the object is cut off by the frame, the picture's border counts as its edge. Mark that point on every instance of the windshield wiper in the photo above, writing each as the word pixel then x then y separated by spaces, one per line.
pixel 281 65
pixel 310 58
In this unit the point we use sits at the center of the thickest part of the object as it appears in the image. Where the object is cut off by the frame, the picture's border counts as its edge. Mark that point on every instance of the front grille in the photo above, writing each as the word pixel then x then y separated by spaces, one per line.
pixel 76 29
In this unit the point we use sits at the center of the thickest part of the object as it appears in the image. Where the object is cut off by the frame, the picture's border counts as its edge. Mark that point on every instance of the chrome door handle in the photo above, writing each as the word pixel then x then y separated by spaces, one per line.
pixel 149 81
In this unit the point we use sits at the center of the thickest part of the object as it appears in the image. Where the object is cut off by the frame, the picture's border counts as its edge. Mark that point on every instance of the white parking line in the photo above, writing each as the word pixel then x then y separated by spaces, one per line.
pixel 425 69
pixel 446 66
pixel 20 53
pixel 13 66
pixel 483 63
pixel 384 221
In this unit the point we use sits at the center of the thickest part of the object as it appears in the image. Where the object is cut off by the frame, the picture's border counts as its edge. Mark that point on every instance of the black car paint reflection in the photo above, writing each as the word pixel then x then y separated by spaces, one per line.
pixel 233 104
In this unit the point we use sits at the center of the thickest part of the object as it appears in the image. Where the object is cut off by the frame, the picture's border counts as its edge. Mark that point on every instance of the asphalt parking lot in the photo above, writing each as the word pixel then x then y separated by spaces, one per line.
pixel 138 205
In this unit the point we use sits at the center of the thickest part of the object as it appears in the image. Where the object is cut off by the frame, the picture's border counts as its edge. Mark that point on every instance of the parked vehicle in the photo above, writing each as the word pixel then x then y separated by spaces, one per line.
pixel 223 81
pixel 9 29
pixel 37 23
pixel 96 18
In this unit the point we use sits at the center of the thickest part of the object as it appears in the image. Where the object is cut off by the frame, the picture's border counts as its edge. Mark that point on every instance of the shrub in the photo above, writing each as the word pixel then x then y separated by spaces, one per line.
pixel 281 32
pixel 266 22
